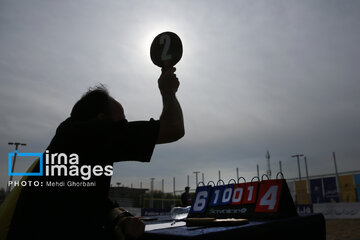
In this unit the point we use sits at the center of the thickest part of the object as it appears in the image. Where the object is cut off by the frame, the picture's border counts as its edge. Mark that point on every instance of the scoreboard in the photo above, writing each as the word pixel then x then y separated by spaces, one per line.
pixel 265 199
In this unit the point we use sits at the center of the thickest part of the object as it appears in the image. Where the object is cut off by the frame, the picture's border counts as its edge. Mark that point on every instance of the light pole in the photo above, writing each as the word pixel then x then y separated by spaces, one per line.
pixel 174 189
pixel 162 193
pixel 268 172
pixel 337 178
pixel 298 162
pixel 152 192
pixel 17 144
pixel 196 178
pixel 307 181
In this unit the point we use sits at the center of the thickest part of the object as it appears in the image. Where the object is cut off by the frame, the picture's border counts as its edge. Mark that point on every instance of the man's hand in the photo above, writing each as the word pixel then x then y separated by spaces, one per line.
pixel 126 226
pixel 129 227
pixel 168 82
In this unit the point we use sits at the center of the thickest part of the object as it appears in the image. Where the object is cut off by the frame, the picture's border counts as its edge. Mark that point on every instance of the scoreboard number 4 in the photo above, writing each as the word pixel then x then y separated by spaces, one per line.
pixel 269 196
pixel 269 199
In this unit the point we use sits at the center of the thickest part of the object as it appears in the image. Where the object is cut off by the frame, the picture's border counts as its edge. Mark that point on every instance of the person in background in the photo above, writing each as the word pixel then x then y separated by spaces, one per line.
pixel 185 198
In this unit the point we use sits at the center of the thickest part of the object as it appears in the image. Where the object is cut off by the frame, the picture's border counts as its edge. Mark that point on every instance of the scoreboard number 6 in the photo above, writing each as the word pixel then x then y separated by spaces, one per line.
pixel 201 199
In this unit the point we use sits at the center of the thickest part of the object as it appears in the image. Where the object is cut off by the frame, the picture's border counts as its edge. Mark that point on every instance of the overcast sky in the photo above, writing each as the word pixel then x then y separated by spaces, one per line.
pixel 264 75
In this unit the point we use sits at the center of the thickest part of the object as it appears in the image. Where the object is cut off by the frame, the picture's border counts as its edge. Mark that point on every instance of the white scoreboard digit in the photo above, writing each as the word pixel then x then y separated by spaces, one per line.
pixel 201 199
pixel 269 196
pixel 250 192
pixel 216 196
pixel 238 193
pixel 227 193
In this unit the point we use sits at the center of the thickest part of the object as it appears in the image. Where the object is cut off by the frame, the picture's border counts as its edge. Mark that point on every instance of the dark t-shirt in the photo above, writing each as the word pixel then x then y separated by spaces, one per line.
pixel 185 199
pixel 78 212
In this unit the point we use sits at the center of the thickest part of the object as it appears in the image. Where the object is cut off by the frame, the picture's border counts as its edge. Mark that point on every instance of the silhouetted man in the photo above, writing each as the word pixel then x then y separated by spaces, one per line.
pixel 99 134
pixel 185 198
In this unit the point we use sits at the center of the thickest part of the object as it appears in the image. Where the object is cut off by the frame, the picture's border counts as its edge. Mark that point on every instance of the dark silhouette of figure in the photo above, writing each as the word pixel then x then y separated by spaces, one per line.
pixel 185 198
pixel 98 132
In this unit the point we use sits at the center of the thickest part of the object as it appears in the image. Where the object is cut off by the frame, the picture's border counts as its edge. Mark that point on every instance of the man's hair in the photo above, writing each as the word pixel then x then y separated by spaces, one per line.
pixel 96 100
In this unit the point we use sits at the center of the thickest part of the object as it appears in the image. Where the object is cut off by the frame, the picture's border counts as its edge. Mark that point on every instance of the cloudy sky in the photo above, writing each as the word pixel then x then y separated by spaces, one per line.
pixel 264 75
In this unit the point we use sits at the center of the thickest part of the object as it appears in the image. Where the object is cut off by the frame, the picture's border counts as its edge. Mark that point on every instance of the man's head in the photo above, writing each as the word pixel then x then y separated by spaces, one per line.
pixel 96 103
pixel 187 189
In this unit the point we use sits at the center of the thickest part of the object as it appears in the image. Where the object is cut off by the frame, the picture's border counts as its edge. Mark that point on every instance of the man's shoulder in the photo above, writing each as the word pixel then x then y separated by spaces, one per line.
pixel 93 123
pixel 70 125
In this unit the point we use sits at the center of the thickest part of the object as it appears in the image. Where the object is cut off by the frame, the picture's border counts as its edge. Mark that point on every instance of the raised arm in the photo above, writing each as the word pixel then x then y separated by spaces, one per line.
pixel 171 119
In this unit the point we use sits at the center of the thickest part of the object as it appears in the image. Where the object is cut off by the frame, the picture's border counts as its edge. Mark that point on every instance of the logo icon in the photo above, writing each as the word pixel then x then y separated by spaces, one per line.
pixel 15 153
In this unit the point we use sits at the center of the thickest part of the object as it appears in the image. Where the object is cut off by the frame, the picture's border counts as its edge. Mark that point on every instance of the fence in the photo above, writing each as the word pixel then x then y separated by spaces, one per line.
pixel 344 187
pixel 160 203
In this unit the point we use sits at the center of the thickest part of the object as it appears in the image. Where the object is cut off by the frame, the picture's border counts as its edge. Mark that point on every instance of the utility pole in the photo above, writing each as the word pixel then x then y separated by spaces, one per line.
pixel 174 188
pixel 162 185
pixel 237 174
pixel 17 144
pixel 268 172
pixel 298 163
pixel 203 178
pixel 196 178
pixel 152 192
pixel 162 193
pixel 337 178
pixel 307 181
